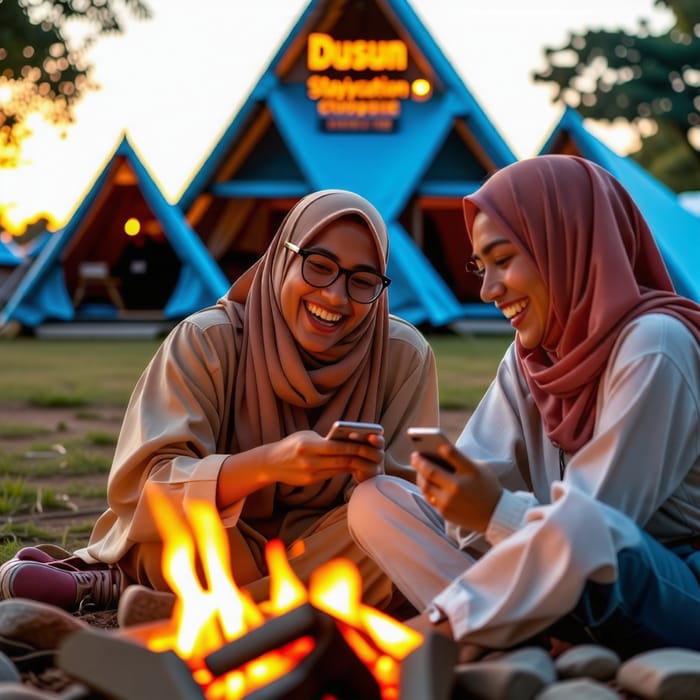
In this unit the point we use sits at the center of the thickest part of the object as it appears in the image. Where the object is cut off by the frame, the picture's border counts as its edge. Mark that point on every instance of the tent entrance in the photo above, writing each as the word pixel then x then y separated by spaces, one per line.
pixel 108 276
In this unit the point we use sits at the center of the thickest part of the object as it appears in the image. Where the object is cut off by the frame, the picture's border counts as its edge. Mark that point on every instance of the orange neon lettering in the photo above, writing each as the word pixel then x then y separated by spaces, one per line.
pixel 379 88
pixel 324 52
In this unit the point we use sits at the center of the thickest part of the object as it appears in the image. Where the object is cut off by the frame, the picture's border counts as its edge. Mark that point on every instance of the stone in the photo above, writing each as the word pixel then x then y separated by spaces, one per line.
pixel 139 604
pixel 588 661
pixel 515 675
pixel 663 674
pixel 17 691
pixel 428 671
pixel 578 689
pixel 29 625
pixel 8 671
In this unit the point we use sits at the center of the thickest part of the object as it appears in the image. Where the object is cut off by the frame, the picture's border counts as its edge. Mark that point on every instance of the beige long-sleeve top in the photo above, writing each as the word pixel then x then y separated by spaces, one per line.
pixel 179 420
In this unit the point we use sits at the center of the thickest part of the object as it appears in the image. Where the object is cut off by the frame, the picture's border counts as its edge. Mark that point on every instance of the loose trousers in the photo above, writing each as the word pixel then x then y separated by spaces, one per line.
pixel 654 601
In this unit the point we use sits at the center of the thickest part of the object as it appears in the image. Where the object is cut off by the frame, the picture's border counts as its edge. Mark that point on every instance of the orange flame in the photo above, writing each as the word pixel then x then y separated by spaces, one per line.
pixel 206 618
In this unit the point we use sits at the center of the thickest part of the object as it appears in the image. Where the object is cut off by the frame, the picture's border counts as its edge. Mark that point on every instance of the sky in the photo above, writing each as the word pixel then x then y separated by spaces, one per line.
pixel 174 83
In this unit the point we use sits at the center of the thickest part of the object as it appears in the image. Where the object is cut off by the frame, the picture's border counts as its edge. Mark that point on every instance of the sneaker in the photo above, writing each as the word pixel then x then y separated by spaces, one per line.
pixel 60 583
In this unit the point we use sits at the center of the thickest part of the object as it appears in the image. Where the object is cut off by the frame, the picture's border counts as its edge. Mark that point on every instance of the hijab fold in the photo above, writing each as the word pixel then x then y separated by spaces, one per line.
pixel 601 267
pixel 293 391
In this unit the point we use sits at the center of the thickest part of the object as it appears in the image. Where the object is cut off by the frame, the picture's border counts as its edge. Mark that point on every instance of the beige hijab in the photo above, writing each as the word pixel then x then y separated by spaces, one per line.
pixel 279 388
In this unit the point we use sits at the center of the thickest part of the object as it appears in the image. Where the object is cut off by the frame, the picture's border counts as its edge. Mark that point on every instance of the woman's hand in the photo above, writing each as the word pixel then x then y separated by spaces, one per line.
pixel 305 457
pixel 299 459
pixel 466 497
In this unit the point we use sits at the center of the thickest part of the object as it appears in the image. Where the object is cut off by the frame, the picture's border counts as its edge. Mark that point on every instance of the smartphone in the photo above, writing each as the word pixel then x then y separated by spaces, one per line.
pixel 427 441
pixel 353 431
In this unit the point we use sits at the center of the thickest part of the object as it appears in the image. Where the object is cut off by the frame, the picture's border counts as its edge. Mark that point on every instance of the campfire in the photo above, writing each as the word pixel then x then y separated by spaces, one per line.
pixel 318 643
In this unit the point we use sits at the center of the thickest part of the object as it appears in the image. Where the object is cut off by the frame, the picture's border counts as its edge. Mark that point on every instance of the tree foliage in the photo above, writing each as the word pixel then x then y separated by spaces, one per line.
pixel 43 71
pixel 650 81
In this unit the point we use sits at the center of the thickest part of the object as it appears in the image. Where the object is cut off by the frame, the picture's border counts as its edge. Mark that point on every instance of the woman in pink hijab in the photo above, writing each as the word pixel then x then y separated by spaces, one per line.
pixel 574 507
pixel 235 407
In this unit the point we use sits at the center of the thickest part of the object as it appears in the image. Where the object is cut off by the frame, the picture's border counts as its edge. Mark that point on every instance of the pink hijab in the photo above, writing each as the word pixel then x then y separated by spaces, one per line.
pixel 601 266
pixel 293 391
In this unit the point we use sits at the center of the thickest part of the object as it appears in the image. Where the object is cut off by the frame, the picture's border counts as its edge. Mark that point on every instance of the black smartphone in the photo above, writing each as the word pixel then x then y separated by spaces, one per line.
pixel 427 441
pixel 353 430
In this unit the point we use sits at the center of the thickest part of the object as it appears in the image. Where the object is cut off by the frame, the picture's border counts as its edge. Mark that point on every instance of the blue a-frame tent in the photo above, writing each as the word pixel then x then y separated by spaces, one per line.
pixel 278 148
pixel 675 229
pixel 95 232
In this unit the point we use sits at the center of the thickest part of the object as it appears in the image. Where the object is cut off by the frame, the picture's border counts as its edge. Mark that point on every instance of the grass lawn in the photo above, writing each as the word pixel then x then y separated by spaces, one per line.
pixel 60 411
pixel 466 364
pixel 84 372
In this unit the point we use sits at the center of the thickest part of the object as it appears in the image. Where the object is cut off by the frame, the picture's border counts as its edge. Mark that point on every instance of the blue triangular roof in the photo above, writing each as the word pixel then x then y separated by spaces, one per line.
pixel 675 229
pixel 42 294
pixel 388 169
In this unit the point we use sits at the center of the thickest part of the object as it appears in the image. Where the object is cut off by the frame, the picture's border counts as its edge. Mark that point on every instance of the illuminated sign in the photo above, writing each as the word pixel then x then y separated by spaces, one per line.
pixel 347 103
pixel 324 52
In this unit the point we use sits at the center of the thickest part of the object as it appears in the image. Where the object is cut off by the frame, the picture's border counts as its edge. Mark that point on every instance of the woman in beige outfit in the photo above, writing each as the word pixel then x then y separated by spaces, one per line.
pixel 234 407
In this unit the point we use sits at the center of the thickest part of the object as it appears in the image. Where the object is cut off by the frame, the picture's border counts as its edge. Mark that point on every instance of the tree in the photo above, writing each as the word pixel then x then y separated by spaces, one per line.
pixel 42 71
pixel 651 81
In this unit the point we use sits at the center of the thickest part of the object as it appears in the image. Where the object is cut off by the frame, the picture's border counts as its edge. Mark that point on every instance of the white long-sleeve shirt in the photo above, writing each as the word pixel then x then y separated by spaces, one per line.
pixel 643 461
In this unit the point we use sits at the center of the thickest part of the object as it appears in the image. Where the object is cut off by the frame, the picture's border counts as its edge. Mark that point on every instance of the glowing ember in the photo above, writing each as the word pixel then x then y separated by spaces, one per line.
pixel 207 617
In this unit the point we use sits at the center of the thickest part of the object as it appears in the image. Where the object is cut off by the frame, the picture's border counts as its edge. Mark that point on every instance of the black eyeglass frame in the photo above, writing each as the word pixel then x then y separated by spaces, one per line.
pixel 473 269
pixel 305 253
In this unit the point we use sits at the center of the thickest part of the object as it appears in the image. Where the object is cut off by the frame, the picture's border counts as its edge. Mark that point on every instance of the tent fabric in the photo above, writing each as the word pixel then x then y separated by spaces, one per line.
pixel 7 257
pixel 356 162
pixel 675 229
pixel 414 278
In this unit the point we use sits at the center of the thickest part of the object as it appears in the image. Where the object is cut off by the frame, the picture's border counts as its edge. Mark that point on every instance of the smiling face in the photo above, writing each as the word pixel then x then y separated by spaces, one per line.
pixel 510 280
pixel 319 318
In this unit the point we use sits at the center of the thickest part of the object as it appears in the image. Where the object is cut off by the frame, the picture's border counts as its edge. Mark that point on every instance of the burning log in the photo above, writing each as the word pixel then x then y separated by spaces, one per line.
pixel 331 667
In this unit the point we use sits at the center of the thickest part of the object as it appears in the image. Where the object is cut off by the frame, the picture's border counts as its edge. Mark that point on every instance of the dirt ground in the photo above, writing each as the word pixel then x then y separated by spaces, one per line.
pixel 80 494
pixel 65 426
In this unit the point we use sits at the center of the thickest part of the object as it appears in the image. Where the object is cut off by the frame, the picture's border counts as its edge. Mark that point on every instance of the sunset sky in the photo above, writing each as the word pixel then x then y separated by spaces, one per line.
pixel 173 83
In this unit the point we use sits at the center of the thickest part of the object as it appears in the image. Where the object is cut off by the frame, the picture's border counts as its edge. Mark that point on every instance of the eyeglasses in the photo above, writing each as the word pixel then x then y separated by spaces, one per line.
pixel 320 270
pixel 473 269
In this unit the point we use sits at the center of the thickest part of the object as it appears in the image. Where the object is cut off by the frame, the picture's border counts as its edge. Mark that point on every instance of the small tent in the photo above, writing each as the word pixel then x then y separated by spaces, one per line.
pixel 10 263
pixel 676 230
pixel 358 97
pixel 125 254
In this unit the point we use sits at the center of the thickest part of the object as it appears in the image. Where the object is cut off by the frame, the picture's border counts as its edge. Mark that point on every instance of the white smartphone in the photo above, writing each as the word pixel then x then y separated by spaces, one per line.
pixel 427 441
pixel 353 430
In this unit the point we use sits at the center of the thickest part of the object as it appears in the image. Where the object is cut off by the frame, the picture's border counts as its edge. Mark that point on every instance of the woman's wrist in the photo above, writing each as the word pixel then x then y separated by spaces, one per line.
pixel 243 473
